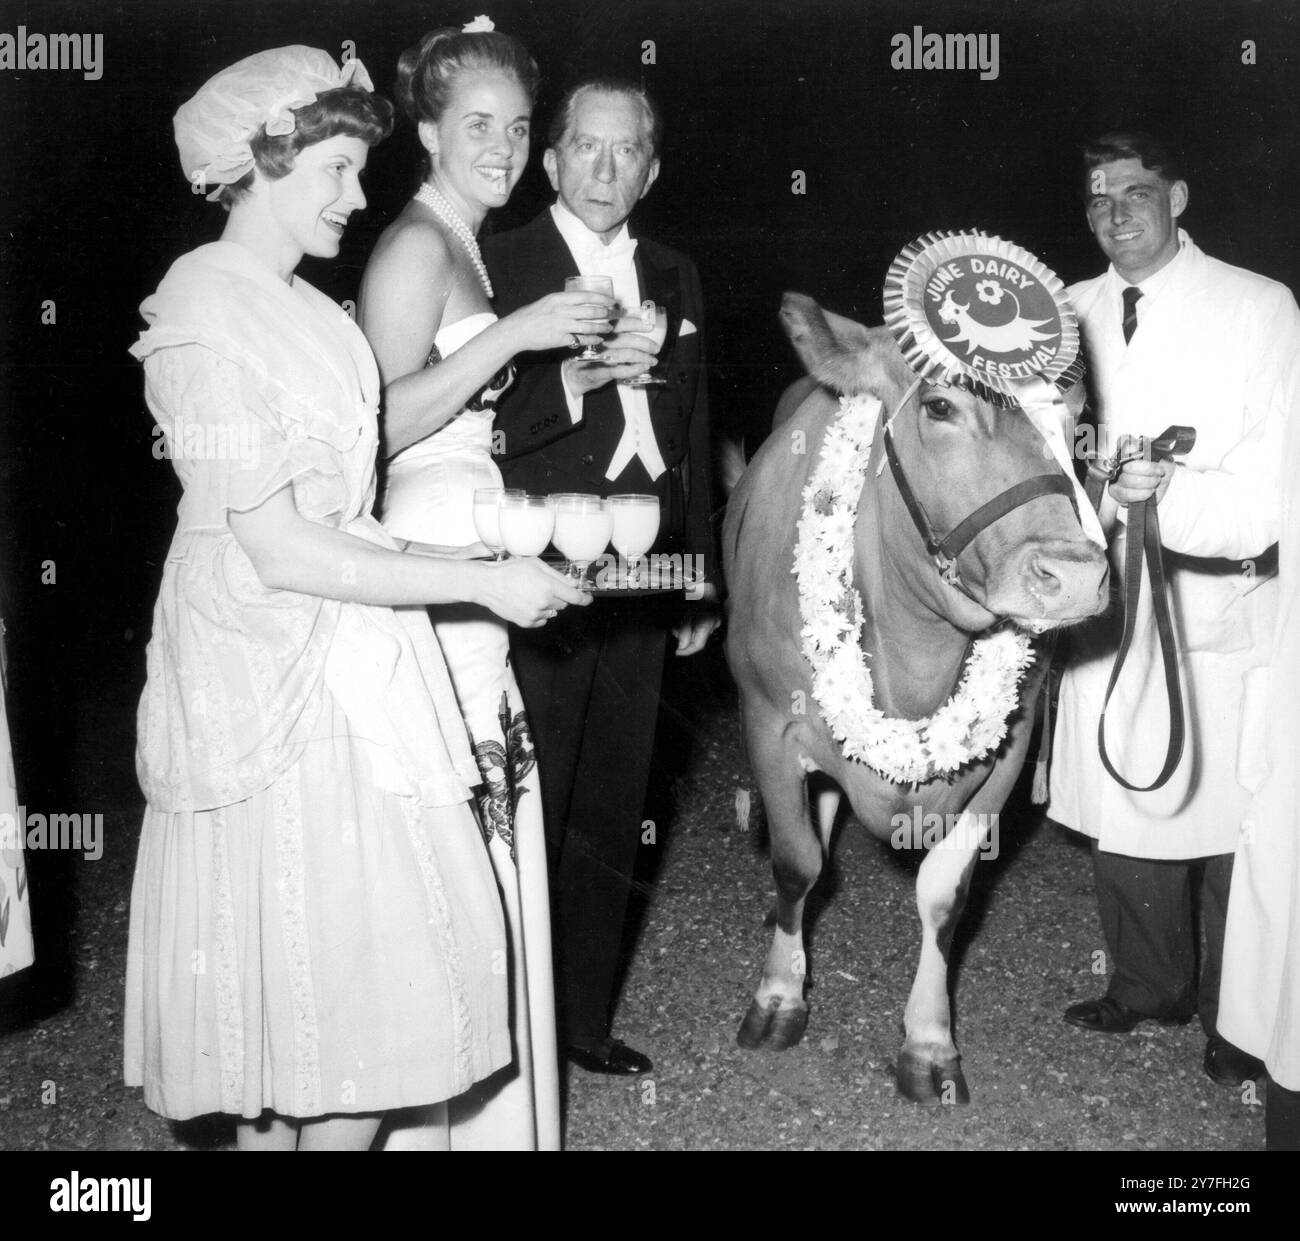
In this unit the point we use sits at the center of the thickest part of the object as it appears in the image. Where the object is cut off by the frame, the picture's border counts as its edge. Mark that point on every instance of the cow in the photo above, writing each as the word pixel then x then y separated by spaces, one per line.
pixel 1032 566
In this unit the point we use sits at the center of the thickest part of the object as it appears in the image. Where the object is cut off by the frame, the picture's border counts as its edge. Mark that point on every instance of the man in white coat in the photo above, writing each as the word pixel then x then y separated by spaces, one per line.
pixel 1174 336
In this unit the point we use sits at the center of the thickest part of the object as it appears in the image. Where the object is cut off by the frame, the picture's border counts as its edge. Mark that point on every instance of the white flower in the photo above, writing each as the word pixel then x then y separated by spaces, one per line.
pixel 825 592
pixel 837 529
pixel 834 696
pixel 947 748
pixel 973 721
pixel 824 630
pixel 480 25
pixel 841 457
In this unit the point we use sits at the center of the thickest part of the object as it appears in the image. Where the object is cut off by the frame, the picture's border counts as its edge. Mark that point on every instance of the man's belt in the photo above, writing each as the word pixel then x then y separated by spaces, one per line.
pixel 1143 541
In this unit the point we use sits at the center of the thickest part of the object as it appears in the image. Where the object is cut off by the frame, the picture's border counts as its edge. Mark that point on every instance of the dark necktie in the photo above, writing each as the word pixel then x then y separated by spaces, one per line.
pixel 1130 295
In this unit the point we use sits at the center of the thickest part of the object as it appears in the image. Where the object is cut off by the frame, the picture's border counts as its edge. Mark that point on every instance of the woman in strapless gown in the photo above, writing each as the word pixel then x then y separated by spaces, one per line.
pixel 444 358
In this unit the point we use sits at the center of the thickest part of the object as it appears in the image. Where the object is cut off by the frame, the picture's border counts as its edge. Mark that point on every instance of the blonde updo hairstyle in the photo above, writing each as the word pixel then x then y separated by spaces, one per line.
pixel 428 70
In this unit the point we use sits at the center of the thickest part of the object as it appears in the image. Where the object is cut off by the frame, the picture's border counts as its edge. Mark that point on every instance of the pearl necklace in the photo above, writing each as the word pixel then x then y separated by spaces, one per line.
pixel 438 203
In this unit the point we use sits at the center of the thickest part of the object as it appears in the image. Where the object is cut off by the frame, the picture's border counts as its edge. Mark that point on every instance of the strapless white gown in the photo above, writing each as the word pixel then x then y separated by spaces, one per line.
pixel 429 495
pixel 429 498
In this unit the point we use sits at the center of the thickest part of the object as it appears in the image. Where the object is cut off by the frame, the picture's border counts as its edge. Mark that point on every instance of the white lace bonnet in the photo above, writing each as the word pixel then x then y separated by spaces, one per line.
pixel 213 129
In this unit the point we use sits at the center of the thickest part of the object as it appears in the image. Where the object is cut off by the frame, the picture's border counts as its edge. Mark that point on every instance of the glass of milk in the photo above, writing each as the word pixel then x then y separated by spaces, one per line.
pixel 526 524
pixel 583 525
pixel 636 525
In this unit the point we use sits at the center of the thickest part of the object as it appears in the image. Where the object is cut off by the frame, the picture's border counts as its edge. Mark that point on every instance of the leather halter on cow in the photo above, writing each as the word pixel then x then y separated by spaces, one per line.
pixel 1024 360
pixel 945 550
pixel 851 489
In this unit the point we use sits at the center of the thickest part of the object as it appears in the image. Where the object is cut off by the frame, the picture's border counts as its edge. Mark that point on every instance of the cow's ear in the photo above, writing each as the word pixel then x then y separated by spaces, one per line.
pixel 849 332
pixel 832 348
pixel 805 324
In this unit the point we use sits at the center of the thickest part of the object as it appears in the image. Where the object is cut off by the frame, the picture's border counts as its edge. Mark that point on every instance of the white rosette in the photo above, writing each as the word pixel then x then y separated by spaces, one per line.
pixel 935 359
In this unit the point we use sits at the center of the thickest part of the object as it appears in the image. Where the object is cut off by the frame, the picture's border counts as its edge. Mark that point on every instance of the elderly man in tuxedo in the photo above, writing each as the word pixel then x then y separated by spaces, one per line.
pixel 592 687
pixel 1175 336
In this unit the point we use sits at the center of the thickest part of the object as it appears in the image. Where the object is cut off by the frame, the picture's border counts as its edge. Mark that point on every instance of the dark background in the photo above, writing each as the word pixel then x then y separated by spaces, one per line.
pixel 94 208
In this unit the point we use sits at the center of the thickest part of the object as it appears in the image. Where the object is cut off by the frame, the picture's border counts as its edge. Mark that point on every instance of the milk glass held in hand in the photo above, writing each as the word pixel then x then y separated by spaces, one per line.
pixel 526 523
pixel 635 526
pixel 651 321
pixel 583 525
pixel 600 325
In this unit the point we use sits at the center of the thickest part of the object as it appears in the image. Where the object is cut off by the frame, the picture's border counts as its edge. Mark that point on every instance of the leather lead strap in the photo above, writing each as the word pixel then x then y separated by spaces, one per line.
pixel 1144 540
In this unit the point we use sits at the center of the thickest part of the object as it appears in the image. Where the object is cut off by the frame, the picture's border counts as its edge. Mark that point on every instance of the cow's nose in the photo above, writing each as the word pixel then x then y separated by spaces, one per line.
pixel 1067 583
pixel 1044 574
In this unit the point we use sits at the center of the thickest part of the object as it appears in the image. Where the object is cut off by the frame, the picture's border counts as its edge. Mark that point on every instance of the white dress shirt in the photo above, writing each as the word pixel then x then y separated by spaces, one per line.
pixel 615 260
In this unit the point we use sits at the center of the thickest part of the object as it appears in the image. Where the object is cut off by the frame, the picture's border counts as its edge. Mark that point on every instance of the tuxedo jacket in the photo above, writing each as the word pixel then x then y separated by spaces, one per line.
pixel 543 451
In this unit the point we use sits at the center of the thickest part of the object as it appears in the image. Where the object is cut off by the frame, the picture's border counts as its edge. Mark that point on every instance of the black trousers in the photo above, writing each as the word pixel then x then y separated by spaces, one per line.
pixel 590 681
pixel 1147 917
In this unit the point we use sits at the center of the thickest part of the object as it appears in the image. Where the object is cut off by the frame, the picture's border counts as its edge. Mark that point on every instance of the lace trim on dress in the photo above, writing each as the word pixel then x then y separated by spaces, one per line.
pixel 440 921
pixel 230 1010
pixel 290 888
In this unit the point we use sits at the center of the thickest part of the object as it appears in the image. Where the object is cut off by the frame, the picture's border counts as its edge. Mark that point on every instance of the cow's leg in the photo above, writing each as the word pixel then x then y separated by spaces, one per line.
pixel 778 1015
pixel 929 1067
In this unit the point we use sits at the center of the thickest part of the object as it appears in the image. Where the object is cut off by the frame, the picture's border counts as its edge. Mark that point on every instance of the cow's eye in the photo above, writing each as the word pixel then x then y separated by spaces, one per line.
pixel 939 409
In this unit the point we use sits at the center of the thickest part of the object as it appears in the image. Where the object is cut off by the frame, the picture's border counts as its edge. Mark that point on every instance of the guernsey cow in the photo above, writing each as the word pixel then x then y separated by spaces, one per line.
pixel 865 677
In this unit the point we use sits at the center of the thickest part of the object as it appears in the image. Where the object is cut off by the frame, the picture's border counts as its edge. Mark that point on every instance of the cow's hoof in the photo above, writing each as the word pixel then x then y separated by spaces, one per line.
pixel 932 1083
pixel 771 1026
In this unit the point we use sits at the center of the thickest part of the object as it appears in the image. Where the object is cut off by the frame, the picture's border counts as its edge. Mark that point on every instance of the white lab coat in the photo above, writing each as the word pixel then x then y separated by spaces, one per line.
pixel 1216 348
pixel 1259 1002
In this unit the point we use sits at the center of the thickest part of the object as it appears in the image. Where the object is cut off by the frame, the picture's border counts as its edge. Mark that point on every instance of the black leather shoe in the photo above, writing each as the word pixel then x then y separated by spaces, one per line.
pixel 1228 1065
pixel 611 1057
pixel 1109 1016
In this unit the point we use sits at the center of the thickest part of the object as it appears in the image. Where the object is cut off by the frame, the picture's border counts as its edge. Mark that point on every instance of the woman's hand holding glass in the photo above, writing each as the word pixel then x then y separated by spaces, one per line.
pixel 599 291
pixel 527 592
pixel 568 320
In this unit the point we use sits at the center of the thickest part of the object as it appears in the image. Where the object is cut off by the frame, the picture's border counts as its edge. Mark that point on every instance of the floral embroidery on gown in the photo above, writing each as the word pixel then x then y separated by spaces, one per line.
pixel 314 926
pixel 504 766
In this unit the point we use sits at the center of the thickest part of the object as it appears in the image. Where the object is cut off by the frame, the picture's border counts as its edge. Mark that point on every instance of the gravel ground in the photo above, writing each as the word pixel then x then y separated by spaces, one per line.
pixel 1025 950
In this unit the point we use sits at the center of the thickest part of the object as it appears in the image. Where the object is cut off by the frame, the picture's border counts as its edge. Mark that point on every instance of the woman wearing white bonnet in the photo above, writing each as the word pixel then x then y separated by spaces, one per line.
pixel 316 936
